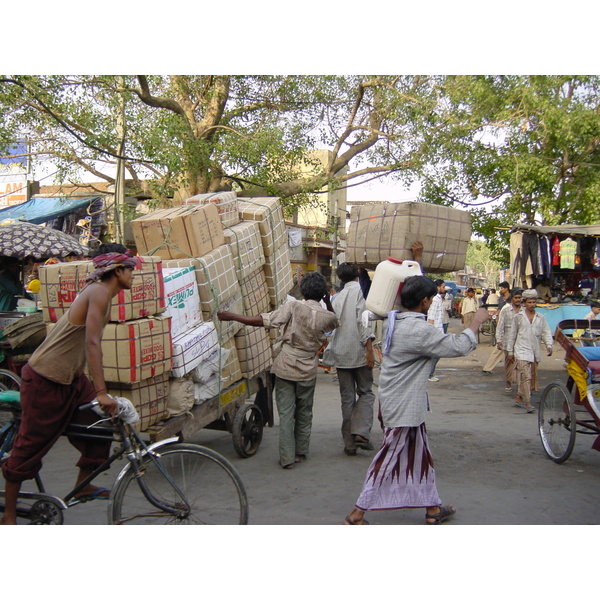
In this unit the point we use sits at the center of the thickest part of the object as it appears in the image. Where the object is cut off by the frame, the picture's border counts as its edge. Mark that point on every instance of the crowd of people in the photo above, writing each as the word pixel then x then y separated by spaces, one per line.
pixel 415 337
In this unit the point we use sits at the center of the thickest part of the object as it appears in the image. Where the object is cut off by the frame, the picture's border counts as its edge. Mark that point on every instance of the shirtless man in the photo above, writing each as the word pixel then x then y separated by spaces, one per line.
pixel 54 384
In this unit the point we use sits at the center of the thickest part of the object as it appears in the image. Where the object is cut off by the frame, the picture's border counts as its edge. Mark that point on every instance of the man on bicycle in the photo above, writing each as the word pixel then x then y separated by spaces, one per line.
pixel 54 384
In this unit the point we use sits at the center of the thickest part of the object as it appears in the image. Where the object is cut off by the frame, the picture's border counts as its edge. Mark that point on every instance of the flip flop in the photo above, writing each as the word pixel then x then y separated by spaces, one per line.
pixel 350 521
pixel 96 495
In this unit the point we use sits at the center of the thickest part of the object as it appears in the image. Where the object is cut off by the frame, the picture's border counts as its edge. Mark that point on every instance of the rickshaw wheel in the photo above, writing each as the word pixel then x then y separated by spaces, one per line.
pixel 556 422
pixel 247 430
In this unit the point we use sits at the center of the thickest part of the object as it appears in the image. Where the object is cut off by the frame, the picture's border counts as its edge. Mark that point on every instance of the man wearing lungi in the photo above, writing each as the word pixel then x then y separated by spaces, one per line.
pixel 303 327
pixel 53 383
pixel 402 474
pixel 528 331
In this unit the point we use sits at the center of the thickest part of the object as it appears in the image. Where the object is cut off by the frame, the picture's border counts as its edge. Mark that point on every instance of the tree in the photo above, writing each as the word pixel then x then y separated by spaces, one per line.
pixel 195 134
pixel 479 257
pixel 529 152
pixel 505 148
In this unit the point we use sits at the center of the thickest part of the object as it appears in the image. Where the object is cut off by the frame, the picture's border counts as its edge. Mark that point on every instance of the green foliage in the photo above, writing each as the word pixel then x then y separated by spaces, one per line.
pixel 505 148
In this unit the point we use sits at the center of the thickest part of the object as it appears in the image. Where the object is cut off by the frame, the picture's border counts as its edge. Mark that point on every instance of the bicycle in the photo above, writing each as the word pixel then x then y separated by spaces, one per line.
pixel 167 482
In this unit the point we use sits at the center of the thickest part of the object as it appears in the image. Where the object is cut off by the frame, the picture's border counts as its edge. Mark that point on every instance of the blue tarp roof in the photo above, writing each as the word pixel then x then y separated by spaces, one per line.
pixel 42 210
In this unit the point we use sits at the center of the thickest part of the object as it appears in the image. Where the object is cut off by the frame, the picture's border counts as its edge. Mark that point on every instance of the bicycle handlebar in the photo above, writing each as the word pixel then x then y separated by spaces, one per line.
pixel 89 405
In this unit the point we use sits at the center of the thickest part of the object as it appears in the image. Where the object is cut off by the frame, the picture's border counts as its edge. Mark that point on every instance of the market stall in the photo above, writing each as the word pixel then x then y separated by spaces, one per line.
pixel 562 261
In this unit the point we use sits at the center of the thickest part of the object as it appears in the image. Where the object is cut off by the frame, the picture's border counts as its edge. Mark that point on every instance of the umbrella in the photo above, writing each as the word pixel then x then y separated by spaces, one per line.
pixel 21 240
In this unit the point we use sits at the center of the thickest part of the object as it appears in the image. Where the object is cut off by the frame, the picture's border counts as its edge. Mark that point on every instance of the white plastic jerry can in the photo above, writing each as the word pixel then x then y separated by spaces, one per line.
pixel 386 284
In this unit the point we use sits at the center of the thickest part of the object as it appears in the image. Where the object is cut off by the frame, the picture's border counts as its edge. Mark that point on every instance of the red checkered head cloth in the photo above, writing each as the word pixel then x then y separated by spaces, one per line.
pixel 107 262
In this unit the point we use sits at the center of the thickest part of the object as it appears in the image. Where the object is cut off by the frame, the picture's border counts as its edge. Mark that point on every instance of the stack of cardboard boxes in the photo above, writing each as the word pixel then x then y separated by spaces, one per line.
pixel 164 341
pixel 238 255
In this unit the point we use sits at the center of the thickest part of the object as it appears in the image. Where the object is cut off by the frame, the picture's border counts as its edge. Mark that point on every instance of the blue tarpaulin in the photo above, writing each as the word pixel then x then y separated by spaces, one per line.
pixel 42 210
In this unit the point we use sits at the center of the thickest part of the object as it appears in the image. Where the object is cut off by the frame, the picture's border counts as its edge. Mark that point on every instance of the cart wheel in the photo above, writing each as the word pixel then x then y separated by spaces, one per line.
pixel 556 422
pixel 247 430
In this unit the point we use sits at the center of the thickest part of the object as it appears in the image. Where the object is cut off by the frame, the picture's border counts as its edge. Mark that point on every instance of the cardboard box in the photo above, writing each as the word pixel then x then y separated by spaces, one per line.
pixel 182 300
pixel 185 231
pixel 150 398
pixel 60 283
pixel 255 294
pixel 218 286
pixel 245 242
pixel 279 275
pixel 381 231
pixel 192 347
pixel 136 350
pixel 226 203
pixel 268 213
pixel 253 350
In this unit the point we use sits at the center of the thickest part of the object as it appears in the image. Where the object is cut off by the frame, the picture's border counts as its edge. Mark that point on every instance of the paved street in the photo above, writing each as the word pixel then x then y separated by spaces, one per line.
pixel 489 460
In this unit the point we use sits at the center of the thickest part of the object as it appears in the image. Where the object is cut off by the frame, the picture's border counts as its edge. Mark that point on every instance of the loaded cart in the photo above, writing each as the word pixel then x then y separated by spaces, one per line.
pixel 231 410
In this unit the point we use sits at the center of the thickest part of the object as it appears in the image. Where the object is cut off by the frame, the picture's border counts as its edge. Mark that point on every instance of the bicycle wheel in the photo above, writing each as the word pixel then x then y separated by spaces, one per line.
pixel 211 486
pixel 9 380
pixel 556 422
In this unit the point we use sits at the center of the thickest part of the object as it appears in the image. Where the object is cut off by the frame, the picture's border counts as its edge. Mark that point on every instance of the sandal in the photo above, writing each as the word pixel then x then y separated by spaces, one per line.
pixel 445 513
pixel 519 404
pixel 300 458
pixel 349 521
pixel 361 442
pixel 529 409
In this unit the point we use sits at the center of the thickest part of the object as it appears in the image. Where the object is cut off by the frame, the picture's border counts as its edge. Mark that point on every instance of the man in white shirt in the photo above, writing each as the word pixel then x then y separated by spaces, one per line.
pixel 350 349
pixel 528 331
pixel 505 321
pixel 435 316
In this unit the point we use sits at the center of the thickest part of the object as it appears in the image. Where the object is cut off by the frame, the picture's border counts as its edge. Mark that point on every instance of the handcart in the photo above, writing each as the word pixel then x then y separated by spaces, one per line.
pixel 566 410
pixel 229 411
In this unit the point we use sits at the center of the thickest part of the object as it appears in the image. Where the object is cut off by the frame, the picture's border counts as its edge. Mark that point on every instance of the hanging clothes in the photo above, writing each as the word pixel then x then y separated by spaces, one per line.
pixel 545 256
pixel 555 251
pixel 531 253
pixel 596 259
pixel 568 250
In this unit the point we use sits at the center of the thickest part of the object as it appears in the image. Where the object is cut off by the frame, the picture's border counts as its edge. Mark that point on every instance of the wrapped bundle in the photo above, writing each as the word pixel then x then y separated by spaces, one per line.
pixel 254 350
pixel 245 242
pixel 268 213
pixel 279 275
pixel 382 231
pixel 226 203
pixel 255 293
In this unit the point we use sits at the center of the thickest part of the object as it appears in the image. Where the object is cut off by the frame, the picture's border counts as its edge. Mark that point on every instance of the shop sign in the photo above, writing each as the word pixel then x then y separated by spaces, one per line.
pixel 13 190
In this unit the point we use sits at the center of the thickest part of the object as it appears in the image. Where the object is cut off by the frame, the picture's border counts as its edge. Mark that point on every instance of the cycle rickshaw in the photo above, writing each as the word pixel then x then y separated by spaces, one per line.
pixel 574 407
